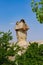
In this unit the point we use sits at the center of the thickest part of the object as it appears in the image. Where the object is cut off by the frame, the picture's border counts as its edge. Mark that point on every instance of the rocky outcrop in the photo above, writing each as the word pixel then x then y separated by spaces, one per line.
pixel 21 29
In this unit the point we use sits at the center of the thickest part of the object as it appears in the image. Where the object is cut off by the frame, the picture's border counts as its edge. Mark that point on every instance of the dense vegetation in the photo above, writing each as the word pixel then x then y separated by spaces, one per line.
pixel 32 56
pixel 37 7
pixel 4 46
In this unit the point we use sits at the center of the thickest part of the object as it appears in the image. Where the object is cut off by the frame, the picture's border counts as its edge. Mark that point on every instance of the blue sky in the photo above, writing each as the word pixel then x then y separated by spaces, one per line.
pixel 14 10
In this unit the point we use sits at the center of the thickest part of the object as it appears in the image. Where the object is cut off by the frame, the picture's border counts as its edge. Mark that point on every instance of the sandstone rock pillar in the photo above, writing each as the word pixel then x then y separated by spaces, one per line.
pixel 21 32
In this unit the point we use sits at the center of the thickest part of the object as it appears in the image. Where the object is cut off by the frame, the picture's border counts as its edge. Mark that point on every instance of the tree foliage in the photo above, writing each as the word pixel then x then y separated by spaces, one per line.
pixel 32 56
pixel 5 48
pixel 37 7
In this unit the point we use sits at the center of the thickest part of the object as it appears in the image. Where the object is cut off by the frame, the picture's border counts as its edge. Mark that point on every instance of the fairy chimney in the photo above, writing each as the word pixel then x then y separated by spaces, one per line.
pixel 21 32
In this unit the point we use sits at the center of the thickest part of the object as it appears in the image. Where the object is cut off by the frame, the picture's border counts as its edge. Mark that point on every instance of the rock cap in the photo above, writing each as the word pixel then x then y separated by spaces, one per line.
pixel 21 25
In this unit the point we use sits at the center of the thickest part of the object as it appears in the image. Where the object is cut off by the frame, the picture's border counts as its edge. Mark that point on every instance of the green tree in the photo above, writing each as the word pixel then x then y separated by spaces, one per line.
pixel 4 46
pixel 32 56
pixel 37 7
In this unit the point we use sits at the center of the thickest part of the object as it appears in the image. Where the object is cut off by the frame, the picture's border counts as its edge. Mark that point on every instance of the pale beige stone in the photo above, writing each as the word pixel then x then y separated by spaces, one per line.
pixel 23 44
pixel 11 58
pixel 21 26
pixel 21 30
pixel 21 33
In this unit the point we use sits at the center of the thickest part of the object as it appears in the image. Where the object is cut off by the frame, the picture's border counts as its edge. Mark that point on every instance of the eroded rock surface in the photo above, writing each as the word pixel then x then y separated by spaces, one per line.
pixel 21 33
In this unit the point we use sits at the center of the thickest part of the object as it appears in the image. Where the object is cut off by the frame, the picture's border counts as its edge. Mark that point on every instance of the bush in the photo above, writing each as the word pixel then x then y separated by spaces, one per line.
pixel 4 46
pixel 32 56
